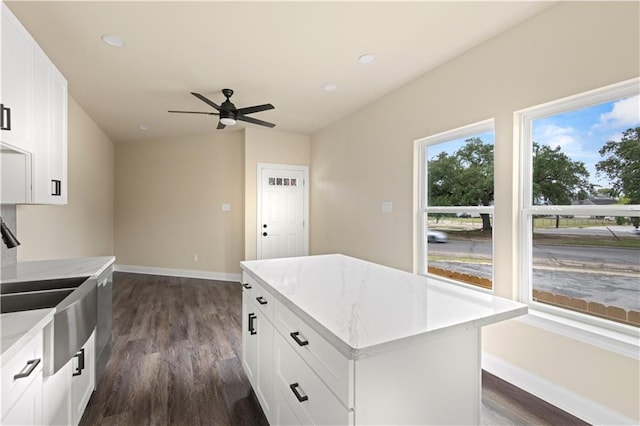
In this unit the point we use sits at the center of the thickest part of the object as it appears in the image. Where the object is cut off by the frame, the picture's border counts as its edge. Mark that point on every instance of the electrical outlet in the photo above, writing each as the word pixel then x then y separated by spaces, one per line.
pixel 195 257
pixel 226 207
pixel 387 207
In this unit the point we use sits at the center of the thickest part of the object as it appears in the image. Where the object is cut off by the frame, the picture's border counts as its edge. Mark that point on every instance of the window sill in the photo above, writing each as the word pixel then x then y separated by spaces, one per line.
pixel 618 338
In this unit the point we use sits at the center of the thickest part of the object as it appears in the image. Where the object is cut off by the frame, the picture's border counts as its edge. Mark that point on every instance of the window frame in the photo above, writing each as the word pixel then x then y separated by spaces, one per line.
pixel 608 334
pixel 423 210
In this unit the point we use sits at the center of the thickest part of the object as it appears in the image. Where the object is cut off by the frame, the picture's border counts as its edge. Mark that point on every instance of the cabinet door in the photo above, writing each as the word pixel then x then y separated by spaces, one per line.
pixel 41 127
pixel 82 378
pixel 264 365
pixel 58 148
pixel 249 338
pixel 28 408
pixel 50 131
pixel 257 351
pixel 56 397
pixel 16 96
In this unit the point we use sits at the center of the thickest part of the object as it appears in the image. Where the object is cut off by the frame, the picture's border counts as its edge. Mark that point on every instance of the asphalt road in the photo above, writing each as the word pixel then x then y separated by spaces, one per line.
pixel 610 276
pixel 592 257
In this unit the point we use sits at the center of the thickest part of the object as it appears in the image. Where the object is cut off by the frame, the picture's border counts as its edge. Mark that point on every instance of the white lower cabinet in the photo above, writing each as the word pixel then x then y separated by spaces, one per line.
pixel 22 386
pixel 257 355
pixel 66 393
pixel 82 378
pixel 310 399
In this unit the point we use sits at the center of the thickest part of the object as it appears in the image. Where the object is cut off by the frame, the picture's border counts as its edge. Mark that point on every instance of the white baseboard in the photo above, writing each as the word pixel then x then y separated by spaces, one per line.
pixel 574 404
pixel 187 273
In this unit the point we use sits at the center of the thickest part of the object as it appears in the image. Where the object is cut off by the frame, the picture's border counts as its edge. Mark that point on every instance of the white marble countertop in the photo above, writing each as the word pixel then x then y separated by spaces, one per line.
pixel 17 328
pixel 363 308
pixel 56 268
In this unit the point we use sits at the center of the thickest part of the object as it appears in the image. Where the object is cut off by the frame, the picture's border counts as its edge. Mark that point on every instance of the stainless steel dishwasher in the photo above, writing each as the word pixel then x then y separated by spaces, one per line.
pixel 103 325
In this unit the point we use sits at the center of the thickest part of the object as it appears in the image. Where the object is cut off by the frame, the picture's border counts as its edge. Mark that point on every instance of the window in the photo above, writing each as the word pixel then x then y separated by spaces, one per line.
pixel 456 204
pixel 580 211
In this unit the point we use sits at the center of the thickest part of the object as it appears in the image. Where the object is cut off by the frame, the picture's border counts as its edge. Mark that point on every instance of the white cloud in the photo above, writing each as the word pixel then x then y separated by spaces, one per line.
pixel 554 136
pixel 625 112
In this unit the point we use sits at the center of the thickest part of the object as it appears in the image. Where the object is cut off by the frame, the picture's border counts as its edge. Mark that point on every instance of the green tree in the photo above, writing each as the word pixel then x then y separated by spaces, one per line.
pixel 557 179
pixel 622 167
pixel 464 178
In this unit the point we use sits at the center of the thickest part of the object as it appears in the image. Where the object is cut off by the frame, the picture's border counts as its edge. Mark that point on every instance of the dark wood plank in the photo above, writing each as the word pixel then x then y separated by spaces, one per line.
pixel 176 360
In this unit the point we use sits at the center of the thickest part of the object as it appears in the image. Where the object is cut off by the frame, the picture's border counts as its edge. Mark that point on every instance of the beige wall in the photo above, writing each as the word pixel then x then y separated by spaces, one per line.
pixel 83 227
pixel 169 196
pixel 267 146
pixel 367 158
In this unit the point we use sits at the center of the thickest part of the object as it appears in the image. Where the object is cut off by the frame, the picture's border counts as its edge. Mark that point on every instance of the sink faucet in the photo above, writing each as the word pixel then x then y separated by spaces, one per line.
pixel 9 239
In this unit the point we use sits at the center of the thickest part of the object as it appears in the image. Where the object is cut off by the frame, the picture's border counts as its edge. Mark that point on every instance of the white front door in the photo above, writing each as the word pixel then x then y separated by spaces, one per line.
pixel 282 211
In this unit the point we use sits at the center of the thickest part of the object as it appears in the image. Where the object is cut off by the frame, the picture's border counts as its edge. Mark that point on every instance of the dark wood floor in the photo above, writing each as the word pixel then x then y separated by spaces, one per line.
pixel 176 361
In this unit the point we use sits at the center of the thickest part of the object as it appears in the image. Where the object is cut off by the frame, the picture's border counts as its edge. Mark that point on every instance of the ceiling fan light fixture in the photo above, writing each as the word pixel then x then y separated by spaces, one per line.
pixel 227 118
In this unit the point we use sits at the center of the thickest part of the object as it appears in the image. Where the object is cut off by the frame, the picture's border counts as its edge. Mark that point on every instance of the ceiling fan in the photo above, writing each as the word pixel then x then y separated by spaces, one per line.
pixel 229 113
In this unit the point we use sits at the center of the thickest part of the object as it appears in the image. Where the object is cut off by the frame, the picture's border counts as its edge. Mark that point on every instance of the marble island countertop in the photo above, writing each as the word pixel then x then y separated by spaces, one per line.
pixel 364 308
pixel 17 328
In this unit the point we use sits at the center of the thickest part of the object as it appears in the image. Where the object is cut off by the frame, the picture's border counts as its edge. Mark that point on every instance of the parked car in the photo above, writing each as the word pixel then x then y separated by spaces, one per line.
pixel 436 236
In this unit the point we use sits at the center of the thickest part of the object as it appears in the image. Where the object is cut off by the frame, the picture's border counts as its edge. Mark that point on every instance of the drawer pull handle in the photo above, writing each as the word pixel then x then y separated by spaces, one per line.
pixel 261 300
pixel 3 125
pixel 56 187
pixel 31 365
pixel 295 335
pixel 294 388
pixel 80 367
pixel 252 330
pixel 246 285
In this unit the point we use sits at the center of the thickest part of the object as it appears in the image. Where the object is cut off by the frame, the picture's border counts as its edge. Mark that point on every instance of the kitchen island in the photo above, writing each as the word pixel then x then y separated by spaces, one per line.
pixel 336 340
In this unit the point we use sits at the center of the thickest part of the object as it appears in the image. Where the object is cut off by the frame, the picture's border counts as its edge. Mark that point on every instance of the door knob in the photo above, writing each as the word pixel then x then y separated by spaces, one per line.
pixel 264 234
pixel 264 226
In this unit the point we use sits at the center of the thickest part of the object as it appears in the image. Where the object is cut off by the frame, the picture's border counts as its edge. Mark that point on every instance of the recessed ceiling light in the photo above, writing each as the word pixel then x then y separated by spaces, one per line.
pixel 143 127
pixel 367 58
pixel 113 40
pixel 330 87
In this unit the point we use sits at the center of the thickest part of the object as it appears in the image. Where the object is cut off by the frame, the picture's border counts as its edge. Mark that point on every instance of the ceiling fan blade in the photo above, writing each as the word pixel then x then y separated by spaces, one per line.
pixel 196 112
pixel 254 121
pixel 257 108
pixel 220 126
pixel 205 100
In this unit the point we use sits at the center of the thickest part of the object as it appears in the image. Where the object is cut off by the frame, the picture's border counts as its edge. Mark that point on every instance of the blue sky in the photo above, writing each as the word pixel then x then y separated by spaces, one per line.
pixel 581 133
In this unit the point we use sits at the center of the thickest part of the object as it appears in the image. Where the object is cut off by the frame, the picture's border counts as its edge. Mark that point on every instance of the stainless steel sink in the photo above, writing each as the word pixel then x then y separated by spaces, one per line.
pixel 75 316
pixel 38 285
pixel 28 301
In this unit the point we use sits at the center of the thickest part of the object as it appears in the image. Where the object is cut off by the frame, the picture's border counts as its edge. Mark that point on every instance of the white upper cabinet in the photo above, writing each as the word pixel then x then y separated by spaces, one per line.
pixel 50 132
pixel 34 114
pixel 16 96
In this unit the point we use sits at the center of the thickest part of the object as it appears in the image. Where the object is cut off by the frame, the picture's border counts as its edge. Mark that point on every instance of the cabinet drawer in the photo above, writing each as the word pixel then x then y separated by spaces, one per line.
pixel 305 394
pixel 330 365
pixel 259 295
pixel 28 360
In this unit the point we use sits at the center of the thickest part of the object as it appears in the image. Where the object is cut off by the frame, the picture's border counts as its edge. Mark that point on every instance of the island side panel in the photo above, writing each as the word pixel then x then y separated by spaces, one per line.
pixel 435 382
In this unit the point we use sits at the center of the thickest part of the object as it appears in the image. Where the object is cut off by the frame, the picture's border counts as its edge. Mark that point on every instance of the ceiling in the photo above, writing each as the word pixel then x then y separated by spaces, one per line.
pixel 282 53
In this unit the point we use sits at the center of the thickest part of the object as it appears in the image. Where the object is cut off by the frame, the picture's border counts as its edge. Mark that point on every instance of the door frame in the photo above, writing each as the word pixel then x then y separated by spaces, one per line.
pixel 305 213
